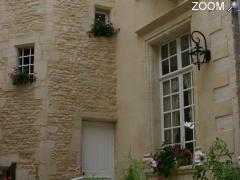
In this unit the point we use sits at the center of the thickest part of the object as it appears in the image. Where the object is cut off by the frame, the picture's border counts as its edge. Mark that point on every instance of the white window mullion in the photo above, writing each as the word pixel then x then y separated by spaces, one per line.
pixel 181 110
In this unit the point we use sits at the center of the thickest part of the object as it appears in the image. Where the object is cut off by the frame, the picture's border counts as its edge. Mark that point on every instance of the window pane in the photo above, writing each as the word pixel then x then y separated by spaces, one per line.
pixel 185 59
pixel 164 51
pixel 174 84
pixel 187 98
pixel 190 146
pixel 175 101
pixel 184 42
pixel 166 104
pixel 26 60
pixel 188 134
pixel 167 136
pixel 187 81
pixel 26 52
pixel 173 62
pixel 176 118
pixel 167 120
pixel 173 47
pixel 176 135
pixel 166 88
pixel 31 69
pixel 188 114
pixel 32 59
pixel 165 67
pixel 100 17
pixel 26 69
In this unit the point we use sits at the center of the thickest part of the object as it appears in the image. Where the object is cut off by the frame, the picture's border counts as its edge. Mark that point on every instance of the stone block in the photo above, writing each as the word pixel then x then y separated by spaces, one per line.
pixel 222 94
pixel 6 160
pixel 221 79
pixel 40 92
pixel 219 51
pixel 224 122
pixel 215 24
pixel 22 174
pixel 228 137
pixel 41 70
pixel 223 108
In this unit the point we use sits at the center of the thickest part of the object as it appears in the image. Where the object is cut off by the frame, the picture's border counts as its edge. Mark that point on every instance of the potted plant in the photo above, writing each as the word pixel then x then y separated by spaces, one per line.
pixel 168 159
pixel 100 28
pixel 21 77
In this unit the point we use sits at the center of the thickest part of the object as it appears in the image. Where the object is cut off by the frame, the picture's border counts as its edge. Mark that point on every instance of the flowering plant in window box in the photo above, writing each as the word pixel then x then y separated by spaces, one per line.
pixel 21 77
pixel 100 28
pixel 168 159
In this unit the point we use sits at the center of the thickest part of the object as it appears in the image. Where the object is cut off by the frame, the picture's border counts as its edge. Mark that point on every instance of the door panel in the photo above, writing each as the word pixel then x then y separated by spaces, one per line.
pixel 98 149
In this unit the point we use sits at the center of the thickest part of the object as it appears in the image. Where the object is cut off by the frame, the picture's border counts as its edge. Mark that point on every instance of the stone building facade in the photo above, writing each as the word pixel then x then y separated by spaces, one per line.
pixel 117 80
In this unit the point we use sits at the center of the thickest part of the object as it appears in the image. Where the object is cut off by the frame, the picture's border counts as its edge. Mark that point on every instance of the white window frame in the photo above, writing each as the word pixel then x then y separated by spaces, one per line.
pixel 171 75
pixel 30 56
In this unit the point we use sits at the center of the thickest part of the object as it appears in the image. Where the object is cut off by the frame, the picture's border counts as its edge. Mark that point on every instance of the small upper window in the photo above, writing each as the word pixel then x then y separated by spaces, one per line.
pixel 102 15
pixel 26 60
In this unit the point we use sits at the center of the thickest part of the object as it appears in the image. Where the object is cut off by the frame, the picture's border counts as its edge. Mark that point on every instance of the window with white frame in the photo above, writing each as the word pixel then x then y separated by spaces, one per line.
pixel 102 16
pixel 177 93
pixel 26 60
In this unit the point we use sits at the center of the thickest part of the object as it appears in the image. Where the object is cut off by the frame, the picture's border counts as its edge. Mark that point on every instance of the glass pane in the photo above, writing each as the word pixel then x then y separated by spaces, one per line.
pixel 100 17
pixel 184 42
pixel 173 47
pixel 176 135
pixel 26 60
pixel 31 69
pixel 187 80
pixel 26 69
pixel 167 137
pixel 176 118
pixel 167 120
pixel 173 62
pixel 26 52
pixel 187 98
pixel 190 146
pixel 166 88
pixel 188 134
pixel 164 51
pixel 185 59
pixel 165 67
pixel 188 114
pixel 175 101
pixel 32 59
pixel 174 84
pixel 166 104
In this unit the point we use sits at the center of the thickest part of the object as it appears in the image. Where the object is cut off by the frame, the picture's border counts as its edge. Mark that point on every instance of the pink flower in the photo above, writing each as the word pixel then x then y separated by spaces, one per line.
pixel 153 163
pixel 76 168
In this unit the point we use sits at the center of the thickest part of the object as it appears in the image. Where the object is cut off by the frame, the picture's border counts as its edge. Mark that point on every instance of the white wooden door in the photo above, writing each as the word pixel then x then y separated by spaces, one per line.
pixel 98 149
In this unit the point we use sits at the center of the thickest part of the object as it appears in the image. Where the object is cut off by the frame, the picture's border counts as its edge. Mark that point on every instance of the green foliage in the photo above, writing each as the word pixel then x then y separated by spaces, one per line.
pixel 169 158
pixel 100 28
pixel 23 78
pixel 218 163
pixel 166 162
pixel 135 170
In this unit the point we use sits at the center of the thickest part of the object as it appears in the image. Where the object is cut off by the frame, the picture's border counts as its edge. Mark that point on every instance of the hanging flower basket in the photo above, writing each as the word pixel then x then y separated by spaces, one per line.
pixel 21 77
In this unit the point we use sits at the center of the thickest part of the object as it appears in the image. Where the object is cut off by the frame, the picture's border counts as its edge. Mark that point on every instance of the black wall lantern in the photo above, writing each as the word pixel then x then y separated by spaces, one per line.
pixel 199 54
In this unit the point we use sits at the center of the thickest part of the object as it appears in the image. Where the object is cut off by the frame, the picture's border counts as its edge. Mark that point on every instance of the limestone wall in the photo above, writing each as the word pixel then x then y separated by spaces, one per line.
pixel 41 123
